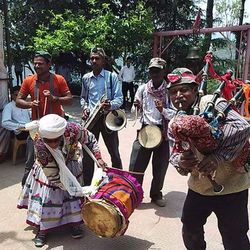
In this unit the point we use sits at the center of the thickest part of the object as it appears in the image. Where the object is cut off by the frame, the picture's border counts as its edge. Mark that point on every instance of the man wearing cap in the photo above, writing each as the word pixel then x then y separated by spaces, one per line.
pixel 96 85
pixel 48 92
pixel 152 100
pixel 223 160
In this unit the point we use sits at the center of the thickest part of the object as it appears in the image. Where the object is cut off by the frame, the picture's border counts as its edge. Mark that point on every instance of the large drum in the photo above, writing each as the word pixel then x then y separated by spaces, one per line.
pixel 107 212
pixel 150 136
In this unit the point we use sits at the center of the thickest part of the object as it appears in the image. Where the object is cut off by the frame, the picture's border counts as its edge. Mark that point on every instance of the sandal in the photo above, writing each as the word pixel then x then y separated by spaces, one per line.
pixel 76 232
pixel 40 239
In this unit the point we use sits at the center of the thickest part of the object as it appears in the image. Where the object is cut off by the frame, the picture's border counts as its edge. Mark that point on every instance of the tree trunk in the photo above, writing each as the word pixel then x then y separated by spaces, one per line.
pixel 242 9
pixel 209 24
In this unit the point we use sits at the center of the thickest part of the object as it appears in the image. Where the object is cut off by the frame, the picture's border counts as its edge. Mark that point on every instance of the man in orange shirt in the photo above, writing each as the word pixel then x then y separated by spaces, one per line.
pixel 48 93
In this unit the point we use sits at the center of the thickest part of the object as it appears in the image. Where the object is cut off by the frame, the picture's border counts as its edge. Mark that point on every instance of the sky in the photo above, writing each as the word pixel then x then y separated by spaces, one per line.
pixel 247 9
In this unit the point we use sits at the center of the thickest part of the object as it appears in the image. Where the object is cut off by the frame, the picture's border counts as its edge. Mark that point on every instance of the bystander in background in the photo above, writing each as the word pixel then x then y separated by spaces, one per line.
pixel 127 76
pixel 4 133
pixel 14 120
pixel 18 67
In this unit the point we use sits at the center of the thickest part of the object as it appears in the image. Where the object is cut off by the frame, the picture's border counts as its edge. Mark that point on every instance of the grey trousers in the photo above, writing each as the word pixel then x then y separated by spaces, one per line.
pixel 30 159
pixel 139 160
pixel 111 141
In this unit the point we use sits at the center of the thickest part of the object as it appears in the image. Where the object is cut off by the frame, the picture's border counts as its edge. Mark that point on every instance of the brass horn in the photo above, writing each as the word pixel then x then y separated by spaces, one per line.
pixel 116 120
pixel 193 53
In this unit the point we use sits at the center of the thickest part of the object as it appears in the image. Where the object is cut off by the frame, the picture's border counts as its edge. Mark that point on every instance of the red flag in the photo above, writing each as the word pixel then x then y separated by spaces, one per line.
pixel 197 23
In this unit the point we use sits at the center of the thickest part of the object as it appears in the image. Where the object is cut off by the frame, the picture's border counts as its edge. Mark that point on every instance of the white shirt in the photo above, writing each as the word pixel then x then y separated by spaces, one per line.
pixel 127 74
pixel 150 114
pixel 14 118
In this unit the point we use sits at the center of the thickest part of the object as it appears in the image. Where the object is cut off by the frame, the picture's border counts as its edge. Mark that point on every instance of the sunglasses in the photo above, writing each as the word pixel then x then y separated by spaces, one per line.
pixel 55 140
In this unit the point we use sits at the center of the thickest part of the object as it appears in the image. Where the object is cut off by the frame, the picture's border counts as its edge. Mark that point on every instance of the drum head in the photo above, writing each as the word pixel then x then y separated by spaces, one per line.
pixel 102 218
pixel 150 136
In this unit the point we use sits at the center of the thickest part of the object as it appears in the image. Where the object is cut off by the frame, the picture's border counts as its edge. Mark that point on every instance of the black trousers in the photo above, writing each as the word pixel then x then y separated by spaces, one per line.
pixel 23 135
pixel 231 212
pixel 111 141
pixel 128 86
pixel 139 160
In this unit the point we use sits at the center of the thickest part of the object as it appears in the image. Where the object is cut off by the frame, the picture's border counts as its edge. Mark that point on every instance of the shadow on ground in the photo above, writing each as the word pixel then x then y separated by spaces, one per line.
pixel 11 174
pixel 92 242
pixel 173 208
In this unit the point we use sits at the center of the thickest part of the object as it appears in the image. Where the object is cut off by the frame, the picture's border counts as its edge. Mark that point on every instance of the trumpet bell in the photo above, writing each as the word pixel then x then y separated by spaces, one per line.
pixel 116 120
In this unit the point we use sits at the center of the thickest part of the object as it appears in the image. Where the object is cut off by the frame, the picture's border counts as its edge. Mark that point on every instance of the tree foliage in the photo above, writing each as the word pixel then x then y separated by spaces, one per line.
pixel 70 28
pixel 120 27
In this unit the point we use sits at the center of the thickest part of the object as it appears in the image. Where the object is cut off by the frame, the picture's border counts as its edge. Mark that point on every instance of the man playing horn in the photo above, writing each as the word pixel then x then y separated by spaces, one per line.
pixel 95 85
pixel 224 158
pixel 151 98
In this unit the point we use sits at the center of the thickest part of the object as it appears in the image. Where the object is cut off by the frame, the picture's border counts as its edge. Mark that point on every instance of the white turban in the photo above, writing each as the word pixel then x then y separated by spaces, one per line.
pixel 52 126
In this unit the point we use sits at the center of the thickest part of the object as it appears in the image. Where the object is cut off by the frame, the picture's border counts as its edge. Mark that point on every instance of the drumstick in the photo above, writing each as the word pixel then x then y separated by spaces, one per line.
pixel 136 115
pixel 98 164
pixel 45 105
pixel 91 155
pixel 37 107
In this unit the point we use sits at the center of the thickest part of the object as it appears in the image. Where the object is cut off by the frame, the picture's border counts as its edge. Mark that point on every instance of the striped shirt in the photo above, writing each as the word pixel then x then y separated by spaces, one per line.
pixel 150 114
pixel 236 131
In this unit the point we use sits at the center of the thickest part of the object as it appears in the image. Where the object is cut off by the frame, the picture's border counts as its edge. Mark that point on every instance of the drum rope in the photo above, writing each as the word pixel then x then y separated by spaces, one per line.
pixel 97 163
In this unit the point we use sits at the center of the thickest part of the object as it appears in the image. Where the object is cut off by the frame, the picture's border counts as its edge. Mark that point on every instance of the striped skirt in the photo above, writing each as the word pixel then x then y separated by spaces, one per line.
pixel 50 207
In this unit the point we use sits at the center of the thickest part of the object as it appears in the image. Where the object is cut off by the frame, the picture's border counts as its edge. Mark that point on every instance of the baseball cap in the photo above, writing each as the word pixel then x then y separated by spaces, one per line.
pixel 44 54
pixel 157 62
pixel 181 76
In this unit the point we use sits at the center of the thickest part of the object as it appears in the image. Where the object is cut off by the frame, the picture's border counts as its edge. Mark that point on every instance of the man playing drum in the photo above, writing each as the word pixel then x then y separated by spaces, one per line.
pixel 227 163
pixel 52 193
pixel 151 99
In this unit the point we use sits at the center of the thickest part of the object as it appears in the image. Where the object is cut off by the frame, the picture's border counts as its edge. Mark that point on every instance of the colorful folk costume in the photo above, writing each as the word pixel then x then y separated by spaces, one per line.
pixel 52 199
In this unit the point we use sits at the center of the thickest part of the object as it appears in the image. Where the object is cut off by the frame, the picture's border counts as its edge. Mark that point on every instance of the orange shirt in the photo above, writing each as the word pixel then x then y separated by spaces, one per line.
pixel 60 89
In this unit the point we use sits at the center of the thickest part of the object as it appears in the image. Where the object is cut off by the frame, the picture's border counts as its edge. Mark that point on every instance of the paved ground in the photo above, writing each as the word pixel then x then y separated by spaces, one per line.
pixel 150 227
